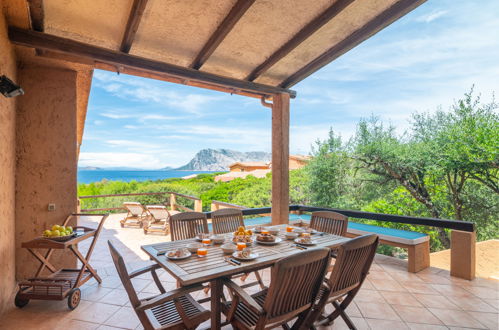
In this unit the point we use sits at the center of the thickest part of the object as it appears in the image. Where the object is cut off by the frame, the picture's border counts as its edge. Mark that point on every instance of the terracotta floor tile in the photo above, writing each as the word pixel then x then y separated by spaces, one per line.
pixel 95 312
pixel 416 314
pixel 116 297
pixel 405 277
pixel 352 310
pixel 421 326
pixel 483 292
pixel 125 317
pixel 451 290
pixel 435 301
pixel 490 320
pixel 77 325
pixel 107 327
pixel 152 288
pixel 111 282
pixel 94 293
pixel 400 298
pixel 416 287
pixel 472 304
pixel 377 311
pixel 493 302
pixel 375 324
pixel 456 318
pixel 388 285
pixel 139 284
pixel 369 296
pixel 378 275
pixel 339 324
pixel 433 279
pixel 367 285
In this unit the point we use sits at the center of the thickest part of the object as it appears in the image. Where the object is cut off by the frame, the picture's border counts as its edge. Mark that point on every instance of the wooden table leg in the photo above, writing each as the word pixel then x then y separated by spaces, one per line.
pixel 216 296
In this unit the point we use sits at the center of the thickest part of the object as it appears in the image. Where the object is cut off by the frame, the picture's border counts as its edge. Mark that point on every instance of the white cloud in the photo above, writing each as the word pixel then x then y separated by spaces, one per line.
pixel 427 18
pixel 119 159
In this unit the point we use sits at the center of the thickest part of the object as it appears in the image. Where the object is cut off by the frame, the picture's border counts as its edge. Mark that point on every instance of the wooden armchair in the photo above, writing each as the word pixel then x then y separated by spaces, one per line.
pixel 169 310
pixel 329 222
pixel 136 215
pixel 350 270
pixel 187 225
pixel 229 220
pixel 295 284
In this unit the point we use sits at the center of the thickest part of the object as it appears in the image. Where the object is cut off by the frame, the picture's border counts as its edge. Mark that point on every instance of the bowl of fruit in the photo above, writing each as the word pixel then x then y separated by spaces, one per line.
pixel 59 233
pixel 243 236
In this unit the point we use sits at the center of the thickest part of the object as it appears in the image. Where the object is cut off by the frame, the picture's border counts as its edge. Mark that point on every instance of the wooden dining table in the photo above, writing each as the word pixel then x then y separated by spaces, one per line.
pixel 213 268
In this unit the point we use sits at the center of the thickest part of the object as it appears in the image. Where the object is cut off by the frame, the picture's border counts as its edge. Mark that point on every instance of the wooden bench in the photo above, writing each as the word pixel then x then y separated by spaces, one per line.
pixel 417 244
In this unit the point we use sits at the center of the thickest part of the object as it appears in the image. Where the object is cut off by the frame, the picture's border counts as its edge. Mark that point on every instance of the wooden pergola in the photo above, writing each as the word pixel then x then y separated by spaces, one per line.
pixel 255 48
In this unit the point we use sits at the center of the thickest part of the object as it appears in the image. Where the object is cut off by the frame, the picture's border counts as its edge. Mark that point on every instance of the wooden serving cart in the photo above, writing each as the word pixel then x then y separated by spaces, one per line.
pixel 60 283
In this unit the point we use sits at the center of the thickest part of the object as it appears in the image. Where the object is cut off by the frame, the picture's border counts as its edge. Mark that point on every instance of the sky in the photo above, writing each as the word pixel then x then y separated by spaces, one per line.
pixel 427 59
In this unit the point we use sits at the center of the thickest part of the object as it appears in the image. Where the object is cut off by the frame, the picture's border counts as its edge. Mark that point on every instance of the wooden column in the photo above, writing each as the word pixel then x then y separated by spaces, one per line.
pixel 462 254
pixel 280 159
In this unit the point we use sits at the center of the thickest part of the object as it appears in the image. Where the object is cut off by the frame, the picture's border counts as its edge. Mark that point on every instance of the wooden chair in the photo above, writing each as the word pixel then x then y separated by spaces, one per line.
pixel 350 270
pixel 187 225
pixel 168 310
pixel 229 220
pixel 136 215
pixel 295 284
pixel 158 221
pixel 329 222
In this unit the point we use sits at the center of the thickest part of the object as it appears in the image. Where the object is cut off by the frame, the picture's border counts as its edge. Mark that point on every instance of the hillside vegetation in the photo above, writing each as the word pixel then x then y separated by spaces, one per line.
pixel 444 166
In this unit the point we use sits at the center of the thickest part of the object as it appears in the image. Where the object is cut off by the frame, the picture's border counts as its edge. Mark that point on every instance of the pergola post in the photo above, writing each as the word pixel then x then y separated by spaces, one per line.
pixel 280 159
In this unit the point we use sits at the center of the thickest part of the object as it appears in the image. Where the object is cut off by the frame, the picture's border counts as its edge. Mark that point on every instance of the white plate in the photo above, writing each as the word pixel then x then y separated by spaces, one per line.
pixel 187 255
pixel 277 241
pixel 252 256
pixel 247 243
pixel 298 240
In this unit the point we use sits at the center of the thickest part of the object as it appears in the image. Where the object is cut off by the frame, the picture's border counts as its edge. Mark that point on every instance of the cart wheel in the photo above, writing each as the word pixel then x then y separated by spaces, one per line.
pixel 145 231
pixel 122 224
pixel 20 302
pixel 74 297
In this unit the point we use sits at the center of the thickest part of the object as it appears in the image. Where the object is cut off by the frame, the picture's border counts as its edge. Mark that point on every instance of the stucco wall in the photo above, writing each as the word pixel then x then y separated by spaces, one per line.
pixel 46 157
pixel 7 172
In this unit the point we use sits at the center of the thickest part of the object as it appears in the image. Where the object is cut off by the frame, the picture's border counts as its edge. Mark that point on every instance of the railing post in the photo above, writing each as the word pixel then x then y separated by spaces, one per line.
pixel 173 202
pixel 198 205
pixel 462 254
pixel 214 206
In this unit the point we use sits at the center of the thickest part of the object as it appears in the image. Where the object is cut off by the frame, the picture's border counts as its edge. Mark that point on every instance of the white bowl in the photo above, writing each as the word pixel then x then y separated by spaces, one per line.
pixel 193 247
pixel 299 230
pixel 273 231
pixel 228 248
pixel 291 235
pixel 217 239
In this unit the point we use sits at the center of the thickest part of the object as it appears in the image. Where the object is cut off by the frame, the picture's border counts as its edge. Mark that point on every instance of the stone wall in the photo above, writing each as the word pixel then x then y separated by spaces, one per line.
pixel 46 157
pixel 7 172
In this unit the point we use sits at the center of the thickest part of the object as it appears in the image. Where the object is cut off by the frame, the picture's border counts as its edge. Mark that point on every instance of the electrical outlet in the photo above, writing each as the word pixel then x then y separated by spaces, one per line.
pixel 51 207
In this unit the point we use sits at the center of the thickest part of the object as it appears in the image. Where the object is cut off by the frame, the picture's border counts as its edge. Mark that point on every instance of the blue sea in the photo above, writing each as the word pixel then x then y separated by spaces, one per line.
pixel 89 176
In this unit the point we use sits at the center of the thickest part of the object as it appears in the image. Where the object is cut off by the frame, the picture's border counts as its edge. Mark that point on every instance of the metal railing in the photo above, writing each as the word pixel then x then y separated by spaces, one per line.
pixel 171 199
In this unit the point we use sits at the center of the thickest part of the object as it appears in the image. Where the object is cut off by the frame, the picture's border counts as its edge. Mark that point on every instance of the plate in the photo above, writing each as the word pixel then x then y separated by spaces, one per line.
pixel 247 243
pixel 187 255
pixel 252 256
pixel 277 241
pixel 298 240
pixel 61 238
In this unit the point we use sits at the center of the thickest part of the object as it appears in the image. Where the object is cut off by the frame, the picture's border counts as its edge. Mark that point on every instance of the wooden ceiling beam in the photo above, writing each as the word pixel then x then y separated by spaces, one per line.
pixel 301 36
pixel 132 25
pixel 36 15
pixel 378 23
pixel 57 44
pixel 221 32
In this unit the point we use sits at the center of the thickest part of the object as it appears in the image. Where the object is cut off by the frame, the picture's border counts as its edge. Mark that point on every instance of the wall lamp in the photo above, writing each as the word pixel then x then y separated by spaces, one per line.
pixel 8 88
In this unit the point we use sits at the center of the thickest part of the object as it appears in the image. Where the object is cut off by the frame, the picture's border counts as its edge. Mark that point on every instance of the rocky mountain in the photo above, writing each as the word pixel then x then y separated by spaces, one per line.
pixel 220 159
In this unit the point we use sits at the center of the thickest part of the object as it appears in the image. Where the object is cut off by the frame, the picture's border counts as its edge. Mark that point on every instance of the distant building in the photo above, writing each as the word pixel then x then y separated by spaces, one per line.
pixel 248 166
pixel 259 169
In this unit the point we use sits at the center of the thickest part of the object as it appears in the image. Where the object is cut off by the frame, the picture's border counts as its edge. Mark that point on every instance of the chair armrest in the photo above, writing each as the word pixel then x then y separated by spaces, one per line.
pixel 164 297
pixel 245 297
pixel 144 270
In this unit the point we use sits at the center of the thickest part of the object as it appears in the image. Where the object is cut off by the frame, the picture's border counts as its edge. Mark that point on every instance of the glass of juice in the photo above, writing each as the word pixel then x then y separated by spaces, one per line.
pixel 206 241
pixel 265 231
pixel 202 252
pixel 241 246
pixel 289 229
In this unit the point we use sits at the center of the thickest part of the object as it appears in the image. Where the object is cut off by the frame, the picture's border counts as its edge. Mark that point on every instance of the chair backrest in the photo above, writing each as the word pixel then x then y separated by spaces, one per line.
pixel 187 225
pixel 158 212
pixel 134 208
pixel 295 283
pixel 123 274
pixel 329 222
pixel 226 220
pixel 352 264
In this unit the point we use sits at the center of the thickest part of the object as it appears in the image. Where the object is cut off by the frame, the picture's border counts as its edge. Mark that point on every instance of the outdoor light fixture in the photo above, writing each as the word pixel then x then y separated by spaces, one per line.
pixel 8 88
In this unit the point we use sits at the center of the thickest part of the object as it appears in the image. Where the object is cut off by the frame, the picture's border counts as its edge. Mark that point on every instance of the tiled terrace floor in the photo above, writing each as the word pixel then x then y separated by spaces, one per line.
pixel 391 298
